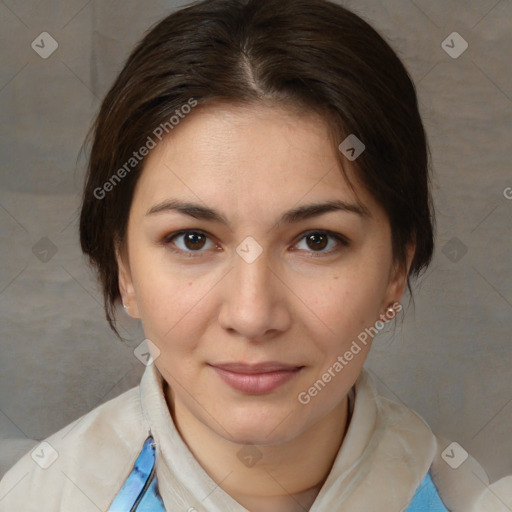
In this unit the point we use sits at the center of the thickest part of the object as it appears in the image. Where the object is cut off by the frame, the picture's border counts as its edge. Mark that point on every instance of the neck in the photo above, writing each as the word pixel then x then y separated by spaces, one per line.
pixel 287 477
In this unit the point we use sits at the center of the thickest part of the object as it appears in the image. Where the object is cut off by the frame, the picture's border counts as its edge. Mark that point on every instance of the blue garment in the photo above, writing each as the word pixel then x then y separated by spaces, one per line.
pixel 426 498
pixel 140 490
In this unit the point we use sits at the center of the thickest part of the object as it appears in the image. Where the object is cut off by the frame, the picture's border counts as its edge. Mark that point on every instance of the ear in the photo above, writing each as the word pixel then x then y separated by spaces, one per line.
pixel 126 287
pixel 398 278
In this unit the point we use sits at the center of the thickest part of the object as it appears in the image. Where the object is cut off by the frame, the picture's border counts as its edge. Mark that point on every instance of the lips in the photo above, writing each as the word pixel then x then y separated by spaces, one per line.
pixel 256 379
pixel 267 367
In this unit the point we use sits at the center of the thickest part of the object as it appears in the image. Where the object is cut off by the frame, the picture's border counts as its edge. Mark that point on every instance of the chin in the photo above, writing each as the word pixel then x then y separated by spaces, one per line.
pixel 253 429
pixel 259 438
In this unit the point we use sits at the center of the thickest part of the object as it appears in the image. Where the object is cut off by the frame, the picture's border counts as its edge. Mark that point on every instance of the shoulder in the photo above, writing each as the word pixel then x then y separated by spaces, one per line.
pixel 78 467
pixel 460 480
pixel 462 483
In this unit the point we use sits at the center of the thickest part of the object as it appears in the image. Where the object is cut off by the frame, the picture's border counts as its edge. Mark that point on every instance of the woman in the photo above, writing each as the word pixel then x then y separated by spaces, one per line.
pixel 258 196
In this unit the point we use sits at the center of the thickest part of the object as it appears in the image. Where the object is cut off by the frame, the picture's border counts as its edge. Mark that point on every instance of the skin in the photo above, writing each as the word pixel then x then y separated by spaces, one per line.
pixel 296 303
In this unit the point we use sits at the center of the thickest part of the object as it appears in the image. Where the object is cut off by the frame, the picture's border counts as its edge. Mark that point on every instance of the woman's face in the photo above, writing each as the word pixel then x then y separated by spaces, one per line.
pixel 236 254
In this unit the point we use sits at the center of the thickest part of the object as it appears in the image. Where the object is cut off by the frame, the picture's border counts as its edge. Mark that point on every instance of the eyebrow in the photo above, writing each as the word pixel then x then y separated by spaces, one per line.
pixel 294 215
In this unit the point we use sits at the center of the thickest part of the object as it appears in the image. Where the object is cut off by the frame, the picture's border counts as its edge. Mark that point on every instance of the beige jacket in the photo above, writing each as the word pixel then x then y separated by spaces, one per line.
pixel 387 451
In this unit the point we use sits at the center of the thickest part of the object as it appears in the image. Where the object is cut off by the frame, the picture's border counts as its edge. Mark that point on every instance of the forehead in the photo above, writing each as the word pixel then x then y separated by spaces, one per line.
pixel 222 153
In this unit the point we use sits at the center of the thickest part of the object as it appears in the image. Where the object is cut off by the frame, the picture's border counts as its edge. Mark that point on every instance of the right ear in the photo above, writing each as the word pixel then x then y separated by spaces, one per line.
pixel 125 280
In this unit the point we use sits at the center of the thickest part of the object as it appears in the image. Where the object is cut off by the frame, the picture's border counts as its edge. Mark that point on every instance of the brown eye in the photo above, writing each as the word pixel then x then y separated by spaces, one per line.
pixel 194 241
pixel 317 241
pixel 322 243
pixel 189 243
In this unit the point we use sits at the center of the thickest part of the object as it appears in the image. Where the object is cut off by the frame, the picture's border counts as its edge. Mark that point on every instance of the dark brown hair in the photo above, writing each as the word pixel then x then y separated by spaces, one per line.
pixel 312 55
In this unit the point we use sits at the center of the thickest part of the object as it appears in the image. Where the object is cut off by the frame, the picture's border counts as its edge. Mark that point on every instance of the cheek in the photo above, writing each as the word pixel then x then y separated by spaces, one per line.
pixel 350 300
pixel 172 305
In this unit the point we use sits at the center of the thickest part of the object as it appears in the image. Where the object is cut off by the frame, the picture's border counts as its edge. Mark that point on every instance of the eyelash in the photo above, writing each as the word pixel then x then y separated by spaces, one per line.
pixel 342 241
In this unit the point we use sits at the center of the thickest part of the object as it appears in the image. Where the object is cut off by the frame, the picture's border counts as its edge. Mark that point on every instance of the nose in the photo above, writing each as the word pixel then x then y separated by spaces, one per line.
pixel 255 301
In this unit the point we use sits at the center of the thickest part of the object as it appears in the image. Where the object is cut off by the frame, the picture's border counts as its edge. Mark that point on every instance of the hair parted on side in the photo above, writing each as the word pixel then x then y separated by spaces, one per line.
pixel 307 55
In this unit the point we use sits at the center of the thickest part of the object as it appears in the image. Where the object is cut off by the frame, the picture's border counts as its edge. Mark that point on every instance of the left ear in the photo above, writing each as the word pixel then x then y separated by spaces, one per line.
pixel 125 281
pixel 398 278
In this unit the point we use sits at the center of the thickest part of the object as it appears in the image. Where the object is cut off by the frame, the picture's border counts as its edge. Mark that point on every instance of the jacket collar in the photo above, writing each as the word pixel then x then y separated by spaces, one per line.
pixel 387 451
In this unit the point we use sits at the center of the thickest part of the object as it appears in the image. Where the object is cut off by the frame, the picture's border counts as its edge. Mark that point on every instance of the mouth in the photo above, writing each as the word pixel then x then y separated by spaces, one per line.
pixel 256 379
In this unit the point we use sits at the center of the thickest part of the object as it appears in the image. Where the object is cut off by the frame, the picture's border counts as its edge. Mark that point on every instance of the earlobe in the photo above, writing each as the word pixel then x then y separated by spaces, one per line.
pixel 126 288
pixel 398 278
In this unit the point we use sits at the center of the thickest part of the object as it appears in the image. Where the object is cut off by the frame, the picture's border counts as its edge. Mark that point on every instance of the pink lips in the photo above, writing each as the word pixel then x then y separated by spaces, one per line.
pixel 256 379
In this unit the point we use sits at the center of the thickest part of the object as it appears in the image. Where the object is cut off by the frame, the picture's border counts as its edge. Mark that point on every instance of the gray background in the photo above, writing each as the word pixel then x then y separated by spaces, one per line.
pixel 451 360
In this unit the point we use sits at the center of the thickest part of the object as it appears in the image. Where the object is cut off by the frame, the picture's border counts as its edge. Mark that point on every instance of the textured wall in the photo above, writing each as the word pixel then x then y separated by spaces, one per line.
pixel 451 360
